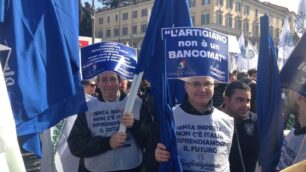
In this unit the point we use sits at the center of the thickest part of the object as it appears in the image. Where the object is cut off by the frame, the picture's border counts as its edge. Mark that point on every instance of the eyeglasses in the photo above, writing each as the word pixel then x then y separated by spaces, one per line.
pixel 92 85
pixel 197 85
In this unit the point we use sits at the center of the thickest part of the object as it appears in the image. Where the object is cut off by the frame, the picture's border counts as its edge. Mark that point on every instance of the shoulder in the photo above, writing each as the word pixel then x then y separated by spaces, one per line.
pixel 176 108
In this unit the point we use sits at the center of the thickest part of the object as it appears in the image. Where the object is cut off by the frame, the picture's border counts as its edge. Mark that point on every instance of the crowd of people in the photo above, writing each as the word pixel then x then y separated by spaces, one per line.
pixel 216 127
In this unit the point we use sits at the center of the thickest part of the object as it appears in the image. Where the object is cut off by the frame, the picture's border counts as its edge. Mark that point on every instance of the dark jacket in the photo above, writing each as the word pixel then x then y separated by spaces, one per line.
pixel 247 133
pixel 82 144
pixel 150 163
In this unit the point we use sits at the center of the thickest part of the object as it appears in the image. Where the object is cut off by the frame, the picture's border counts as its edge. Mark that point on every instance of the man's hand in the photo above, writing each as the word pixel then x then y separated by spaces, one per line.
pixel 127 120
pixel 161 155
pixel 117 140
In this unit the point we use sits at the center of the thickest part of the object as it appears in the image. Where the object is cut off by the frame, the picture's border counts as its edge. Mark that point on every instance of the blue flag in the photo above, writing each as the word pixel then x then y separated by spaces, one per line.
pixel 165 13
pixel 268 101
pixel 42 73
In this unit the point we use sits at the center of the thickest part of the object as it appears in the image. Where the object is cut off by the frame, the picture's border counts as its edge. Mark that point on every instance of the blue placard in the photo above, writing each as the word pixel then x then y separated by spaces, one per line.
pixel 293 74
pixel 108 56
pixel 196 52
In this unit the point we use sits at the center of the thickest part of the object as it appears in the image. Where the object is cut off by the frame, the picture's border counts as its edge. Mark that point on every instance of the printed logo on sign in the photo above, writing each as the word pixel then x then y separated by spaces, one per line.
pixel 182 65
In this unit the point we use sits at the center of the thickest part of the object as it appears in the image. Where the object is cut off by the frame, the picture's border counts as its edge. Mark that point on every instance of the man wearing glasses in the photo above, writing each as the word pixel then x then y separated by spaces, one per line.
pixel 204 133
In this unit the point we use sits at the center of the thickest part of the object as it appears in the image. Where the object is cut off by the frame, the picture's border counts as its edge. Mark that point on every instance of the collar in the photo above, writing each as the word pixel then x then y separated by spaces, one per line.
pixel 299 131
pixel 188 108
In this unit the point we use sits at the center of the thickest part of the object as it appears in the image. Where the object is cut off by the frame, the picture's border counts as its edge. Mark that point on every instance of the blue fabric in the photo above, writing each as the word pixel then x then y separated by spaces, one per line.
pixel 2 3
pixel 43 69
pixel 165 13
pixel 268 100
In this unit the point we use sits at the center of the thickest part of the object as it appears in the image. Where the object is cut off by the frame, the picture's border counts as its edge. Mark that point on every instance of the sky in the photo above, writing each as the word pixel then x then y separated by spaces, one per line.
pixel 292 5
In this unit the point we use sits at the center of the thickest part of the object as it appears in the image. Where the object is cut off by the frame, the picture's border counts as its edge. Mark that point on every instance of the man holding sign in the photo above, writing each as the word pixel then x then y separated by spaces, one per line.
pixel 95 137
pixel 203 133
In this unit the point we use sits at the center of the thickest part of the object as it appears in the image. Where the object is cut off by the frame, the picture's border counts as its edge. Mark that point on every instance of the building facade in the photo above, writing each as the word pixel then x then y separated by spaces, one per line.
pixel 128 24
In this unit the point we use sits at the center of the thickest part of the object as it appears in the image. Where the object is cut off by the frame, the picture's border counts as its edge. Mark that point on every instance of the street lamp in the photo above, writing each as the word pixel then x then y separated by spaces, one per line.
pixel 93 22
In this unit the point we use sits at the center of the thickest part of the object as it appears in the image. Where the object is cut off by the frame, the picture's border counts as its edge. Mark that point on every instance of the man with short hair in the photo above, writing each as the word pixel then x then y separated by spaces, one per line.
pixel 95 137
pixel 89 87
pixel 204 133
pixel 245 146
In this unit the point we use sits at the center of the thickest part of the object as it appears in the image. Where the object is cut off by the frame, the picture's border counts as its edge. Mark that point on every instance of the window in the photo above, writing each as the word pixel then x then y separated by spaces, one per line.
pixel 191 3
pixel 256 13
pixel 116 17
pixel 247 10
pixel 277 33
pixel 143 28
pixel 134 15
pixel 229 4
pixel 125 16
pixel 238 6
pixel 229 21
pixel 256 29
pixel 205 19
pixel 238 23
pixel 192 20
pixel 144 12
pixel 116 32
pixel 100 33
pixel 100 20
pixel 108 19
pixel 219 18
pixel 220 2
pixel 124 31
pixel 246 25
pixel 205 2
pixel 108 33
pixel 272 31
pixel 134 29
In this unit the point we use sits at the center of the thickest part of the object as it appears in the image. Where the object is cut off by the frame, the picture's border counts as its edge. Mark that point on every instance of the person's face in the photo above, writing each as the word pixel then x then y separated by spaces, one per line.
pixel 253 76
pixel 291 105
pixel 124 85
pixel 109 85
pixel 200 90
pixel 239 103
pixel 90 88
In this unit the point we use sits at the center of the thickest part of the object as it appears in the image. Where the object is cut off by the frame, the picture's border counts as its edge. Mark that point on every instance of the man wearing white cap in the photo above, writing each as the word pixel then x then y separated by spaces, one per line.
pixel 204 133
pixel 94 136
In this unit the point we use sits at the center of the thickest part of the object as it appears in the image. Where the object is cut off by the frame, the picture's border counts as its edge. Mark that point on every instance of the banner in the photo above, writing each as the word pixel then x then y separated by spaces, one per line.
pixel 196 52
pixel 108 56
pixel 293 74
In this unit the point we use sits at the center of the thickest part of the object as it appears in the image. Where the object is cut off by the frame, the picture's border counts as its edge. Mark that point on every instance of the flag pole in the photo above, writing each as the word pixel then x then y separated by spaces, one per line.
pixel 131 98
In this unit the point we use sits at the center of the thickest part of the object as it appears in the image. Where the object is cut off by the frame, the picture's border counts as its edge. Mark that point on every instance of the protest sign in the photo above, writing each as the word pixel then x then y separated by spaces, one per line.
pixel 196 52
pixel 108 56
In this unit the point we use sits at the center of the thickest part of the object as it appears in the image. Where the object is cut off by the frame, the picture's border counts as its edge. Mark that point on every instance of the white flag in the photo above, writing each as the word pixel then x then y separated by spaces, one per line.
pixel 241 62
pixel 300 23
pixel 285 45
pixel 10 156
pixel 251 55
